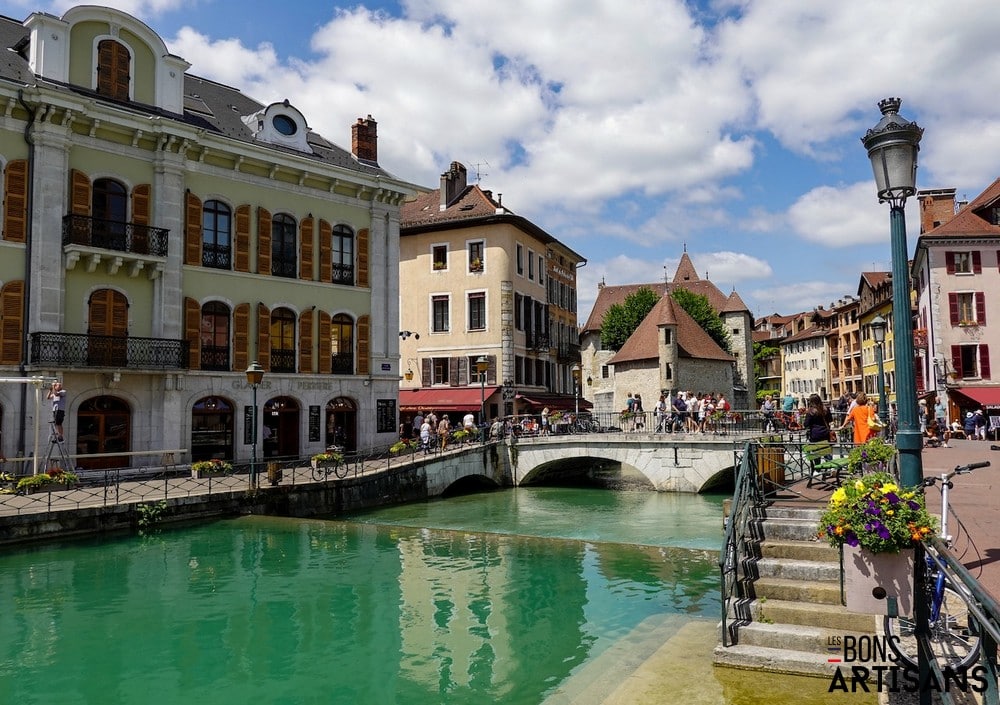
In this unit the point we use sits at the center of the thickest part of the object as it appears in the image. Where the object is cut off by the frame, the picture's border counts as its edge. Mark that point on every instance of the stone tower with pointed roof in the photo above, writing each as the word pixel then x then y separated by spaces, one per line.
pixel 669 350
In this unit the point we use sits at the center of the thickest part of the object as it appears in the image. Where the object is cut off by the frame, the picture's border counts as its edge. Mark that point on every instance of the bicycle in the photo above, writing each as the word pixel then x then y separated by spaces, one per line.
pixel 953 640
pixel 323 470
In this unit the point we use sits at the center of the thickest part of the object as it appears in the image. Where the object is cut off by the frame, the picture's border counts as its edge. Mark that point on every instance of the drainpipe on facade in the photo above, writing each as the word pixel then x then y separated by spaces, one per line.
pixel 26 300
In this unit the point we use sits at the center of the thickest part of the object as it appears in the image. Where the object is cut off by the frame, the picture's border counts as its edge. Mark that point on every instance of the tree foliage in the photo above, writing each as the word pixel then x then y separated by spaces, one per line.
pixel 698 307
pixel 621 320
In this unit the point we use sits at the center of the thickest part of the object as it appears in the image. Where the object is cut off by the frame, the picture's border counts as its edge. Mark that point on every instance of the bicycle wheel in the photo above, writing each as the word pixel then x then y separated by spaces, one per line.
pixel 953 641
pixel 318 473
pixel 340 470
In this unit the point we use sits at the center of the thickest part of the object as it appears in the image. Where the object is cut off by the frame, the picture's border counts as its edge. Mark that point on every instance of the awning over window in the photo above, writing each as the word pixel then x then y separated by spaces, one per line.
pixel 443 398
pixel 986 397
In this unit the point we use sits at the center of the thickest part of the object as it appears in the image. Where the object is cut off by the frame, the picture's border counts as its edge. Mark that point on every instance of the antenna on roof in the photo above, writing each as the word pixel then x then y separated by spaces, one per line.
pixel 479 172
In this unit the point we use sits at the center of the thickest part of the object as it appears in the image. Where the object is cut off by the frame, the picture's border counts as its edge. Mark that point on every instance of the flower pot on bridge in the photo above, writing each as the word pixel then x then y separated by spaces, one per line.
pixel 870 579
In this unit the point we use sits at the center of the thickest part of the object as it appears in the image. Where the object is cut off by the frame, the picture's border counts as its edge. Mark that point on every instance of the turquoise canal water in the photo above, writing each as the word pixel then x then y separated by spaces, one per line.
pixel 529 596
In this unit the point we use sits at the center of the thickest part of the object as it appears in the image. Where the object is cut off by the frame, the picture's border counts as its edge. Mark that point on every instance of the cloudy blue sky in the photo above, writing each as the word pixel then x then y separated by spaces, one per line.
pixel 632 130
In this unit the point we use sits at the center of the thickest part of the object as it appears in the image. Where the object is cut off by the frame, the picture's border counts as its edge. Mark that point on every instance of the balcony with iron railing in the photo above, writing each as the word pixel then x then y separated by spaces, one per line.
pixel 119 236
pixel 81 350
pixel 343 363
pixel 216 256
pixel 568 352
pixel 343 274
pixel 215 358
pixel 536 340
pixel 282 360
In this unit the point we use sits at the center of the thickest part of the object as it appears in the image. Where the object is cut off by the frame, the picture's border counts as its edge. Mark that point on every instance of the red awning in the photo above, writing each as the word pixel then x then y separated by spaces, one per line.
pixel 987 397
pixel 446 398
pixel 563 402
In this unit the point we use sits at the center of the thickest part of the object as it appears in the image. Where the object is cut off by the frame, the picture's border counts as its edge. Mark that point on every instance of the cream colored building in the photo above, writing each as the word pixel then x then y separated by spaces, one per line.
pixel 480 282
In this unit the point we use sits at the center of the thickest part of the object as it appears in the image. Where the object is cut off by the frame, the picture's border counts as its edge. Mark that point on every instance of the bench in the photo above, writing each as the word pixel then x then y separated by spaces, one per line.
pixel 822 464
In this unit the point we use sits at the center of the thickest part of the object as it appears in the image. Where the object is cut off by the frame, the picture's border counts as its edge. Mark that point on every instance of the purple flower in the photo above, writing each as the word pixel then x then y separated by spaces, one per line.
pixel 893 498
pixel 913 505
pixel 851 539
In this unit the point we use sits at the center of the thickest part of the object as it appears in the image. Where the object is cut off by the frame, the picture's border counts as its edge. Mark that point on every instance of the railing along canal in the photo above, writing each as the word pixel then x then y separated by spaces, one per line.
pixel 736 544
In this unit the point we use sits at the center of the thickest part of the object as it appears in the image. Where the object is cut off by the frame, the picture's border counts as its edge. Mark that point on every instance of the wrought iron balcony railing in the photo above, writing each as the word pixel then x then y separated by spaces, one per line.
pixel 215 357
pixel 343 363
pixel 115 235
pixel 287 268
pixel 567 352
pixel 282 360
pixel 343 274
pixel 80 350
pixel 536 340
pixel 216 256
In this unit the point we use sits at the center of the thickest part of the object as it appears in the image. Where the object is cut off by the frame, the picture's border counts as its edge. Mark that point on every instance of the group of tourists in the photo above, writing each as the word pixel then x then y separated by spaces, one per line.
pixel 431 431
pixel 689 412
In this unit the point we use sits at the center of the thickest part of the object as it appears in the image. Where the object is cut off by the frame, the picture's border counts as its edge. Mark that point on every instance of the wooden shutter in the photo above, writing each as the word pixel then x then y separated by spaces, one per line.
pixel 306 342
pixel 15 201
pixel 11 324
pixel 984 361
pixel 263 242
pixel 491 371
pixel 241 261
pixel 80 198
pixel 949 262
pixel 363 257
pixel 980 300
pixel 426 372
pixel 119 314
pixel 956 361
pixel 324 348
pixel 325 251
pixel 192 331
pixel 977 262
pixel 363 333
pixel 264 336
pixel 241 337
pixel 306 234
pixel 453 379
pixel 140 204
pixel 953 312
pixel 192 229
pixel 463 371
pixel 113 69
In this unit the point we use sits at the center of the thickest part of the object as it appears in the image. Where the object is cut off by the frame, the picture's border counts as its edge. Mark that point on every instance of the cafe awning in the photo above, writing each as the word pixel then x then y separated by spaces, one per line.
pixel 446 398
pixel 564 402
pixel 986 397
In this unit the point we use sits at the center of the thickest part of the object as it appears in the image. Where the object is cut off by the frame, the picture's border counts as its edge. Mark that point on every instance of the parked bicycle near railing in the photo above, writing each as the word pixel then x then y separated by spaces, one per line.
pixel 953 638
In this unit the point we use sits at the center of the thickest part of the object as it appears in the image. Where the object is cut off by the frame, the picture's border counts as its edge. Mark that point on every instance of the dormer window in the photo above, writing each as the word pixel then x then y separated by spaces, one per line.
pixel 113 69
pixel 281 124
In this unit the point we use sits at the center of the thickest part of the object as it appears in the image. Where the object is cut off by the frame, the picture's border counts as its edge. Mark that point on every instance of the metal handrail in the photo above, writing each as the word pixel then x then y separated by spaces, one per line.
pixel 732 559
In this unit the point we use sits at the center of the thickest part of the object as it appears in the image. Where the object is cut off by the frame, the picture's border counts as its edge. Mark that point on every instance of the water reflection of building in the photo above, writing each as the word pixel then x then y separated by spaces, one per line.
pixel 178 230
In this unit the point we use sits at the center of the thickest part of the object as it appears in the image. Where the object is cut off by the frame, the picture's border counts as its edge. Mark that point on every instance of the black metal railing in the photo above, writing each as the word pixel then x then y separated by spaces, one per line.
pixel 287 268
pixel 80 350
pixel 343 274
pixel 215 357
pixel 736 545
pixel 343 363
pixel 568 352
pixel 115 235
pixel 216 256
pixel 282 360
pixel 536 340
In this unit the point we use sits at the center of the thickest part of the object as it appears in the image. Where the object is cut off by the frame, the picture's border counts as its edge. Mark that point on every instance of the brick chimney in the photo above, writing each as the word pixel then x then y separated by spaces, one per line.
pixel 453 183
pixel 364 139
pixel 937 207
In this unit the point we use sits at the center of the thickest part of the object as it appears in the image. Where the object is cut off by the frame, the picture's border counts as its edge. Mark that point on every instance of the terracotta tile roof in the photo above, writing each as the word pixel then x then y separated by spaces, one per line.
pixel 692 340
pixel 735 304
pixel 807 334
pixel 607 296
pixel 426 208
pixel 968 221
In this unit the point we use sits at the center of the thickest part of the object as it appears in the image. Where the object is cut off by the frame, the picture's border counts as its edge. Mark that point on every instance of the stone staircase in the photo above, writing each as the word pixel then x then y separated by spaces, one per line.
pixel 796 610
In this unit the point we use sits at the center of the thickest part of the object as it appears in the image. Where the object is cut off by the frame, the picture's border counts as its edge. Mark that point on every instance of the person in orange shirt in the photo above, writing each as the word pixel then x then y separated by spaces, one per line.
pixel 859 415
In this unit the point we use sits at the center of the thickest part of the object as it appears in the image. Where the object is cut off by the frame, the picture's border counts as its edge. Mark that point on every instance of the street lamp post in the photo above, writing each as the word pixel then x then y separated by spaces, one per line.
pixel 892 147
pixel 877 328
pixel 482 364
pixel 255 374
pixel 575 369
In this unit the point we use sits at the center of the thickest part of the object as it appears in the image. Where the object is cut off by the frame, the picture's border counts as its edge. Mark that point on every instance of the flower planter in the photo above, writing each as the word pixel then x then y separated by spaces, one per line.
pixel 202 474
pixel 48 487
pixel 871 578
pixel 274 473
pixel 317 464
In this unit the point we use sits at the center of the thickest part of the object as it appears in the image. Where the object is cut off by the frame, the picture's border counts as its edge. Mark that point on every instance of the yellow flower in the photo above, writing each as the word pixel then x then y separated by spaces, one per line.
pixel 889 487
pixel 859 485
pixel 838 496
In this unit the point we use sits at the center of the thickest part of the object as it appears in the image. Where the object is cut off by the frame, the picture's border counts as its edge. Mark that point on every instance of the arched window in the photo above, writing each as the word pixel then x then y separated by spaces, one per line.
pixel 215 336
pixel 113 78
pixel 109 209
pixel 216 235
pixel 342 344
pixel 104 425
pixel 343 255
pixel 283 249
pixel 282 340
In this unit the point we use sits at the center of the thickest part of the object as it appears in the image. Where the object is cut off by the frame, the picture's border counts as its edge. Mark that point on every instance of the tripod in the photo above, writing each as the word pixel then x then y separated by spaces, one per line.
pixel 57 447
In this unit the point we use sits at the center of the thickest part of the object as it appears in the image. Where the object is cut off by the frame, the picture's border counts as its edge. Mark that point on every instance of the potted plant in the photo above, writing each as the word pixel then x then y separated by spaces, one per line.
pixel 402 446
pixel 54 479
pixel 877 523
pixel 203 468
pixel 327 459
pixel 7 483
pixel 872 456
pixel 476 265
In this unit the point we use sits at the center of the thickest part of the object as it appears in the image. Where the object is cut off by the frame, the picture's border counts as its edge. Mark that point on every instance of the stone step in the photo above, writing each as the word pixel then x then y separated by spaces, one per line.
pixel 809 513
pixel 796 569
pixel 772 660
pixel 794 637
pixel 790 529
pixel 809 591
pixel 828 616
pixel 800 550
